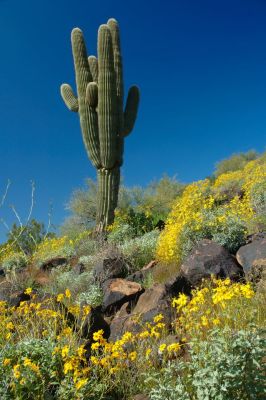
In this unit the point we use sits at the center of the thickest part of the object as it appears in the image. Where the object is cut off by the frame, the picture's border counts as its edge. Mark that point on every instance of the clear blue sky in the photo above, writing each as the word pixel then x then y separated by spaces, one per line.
pixel 201 68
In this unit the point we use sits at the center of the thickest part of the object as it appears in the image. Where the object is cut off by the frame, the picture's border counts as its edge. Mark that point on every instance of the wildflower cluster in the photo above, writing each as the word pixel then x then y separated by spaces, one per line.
pixel 220 303
pixel 54 247
pixel 223 211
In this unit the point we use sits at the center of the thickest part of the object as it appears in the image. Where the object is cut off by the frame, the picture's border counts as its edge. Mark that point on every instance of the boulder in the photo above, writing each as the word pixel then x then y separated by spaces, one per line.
pixel 255 236
pixel 257 272
pixel 152 302
pixel 250 254
pixel 117 292
pixel 17 298
pixel 94 322
pixel 209 258
pixel 140 275
pixel 111 267
pixel 118 322
pixel 79 268
pixel 53 263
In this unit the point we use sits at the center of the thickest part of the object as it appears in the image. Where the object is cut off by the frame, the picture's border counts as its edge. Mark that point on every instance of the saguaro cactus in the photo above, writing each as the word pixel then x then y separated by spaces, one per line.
pixel 104 121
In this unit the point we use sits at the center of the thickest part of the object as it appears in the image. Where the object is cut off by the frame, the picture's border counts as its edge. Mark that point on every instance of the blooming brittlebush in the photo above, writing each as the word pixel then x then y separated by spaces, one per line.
pixel 223 211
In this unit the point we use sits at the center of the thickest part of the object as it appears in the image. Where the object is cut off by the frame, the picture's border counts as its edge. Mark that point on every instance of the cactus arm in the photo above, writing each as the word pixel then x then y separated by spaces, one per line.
pixel 118 65
pixel 131 110
pixel 83 74
pixel 88 115
pixel 107 103
pixel 92 94
pixel 93 65
pixel 71 101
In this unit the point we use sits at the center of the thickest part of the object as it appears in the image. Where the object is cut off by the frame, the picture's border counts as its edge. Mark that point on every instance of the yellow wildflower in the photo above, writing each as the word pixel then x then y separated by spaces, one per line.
pixel 98 335
pixel 162 347
pixel 28 290
pixel 174 347
pixel 10 325
pixel 6 362
pixel 158 318
pixel 132 356
pixel 60 297
pixel 81 383
pixel 16 371
pixel 68 366
pixel 65 351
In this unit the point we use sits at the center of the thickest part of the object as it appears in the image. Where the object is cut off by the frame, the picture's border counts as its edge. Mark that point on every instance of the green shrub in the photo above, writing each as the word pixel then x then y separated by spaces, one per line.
pixel 35 377
pixel 235 162
pixel 140 250
pixel 93 296
pixel 122 233
pixel 15 263
pixel 229 365
pixel 60 280
pixel 154 200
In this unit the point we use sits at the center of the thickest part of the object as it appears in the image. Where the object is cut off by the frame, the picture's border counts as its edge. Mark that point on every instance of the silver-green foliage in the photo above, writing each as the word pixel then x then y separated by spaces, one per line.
pixel 226 366
pixel 230 235
pixel 140 250
pixel 15 263
pixel 40 351
pixel 82 287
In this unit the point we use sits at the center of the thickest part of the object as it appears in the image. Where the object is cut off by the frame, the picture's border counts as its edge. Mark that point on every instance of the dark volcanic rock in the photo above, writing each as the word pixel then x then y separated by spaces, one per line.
pixel 17 298
pixel 119 321
pixel 252 254
pixel 79 268
pixel 53 263
pixel 140 275
pixel 152 302
pixel 119 291
pixel 111 267
pixel 209 258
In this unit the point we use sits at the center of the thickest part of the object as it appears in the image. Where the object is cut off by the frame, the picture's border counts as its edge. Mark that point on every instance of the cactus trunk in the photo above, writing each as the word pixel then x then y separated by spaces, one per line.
pixel 108 188
pixel 104 121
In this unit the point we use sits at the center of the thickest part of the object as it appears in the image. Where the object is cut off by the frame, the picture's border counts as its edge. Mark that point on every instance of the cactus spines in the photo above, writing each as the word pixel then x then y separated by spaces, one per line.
pixel 100 104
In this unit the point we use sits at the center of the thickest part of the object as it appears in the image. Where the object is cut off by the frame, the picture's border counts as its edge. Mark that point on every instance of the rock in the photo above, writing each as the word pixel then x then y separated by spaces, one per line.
pixel 53 263
pixel 140 275
pixel 137 276
pixel 248 255
pixel 141 397
pixel 255 236
pixel 257 272
pixel 152 302
pixel 155 300
pixel 119 291
pixel 79 268
pixel 17 298
pixel 111 267
pixel 160 225
pixel 209 258
pixel 149 266
pixel 94 322
pixel 178 284
pixel 118 322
